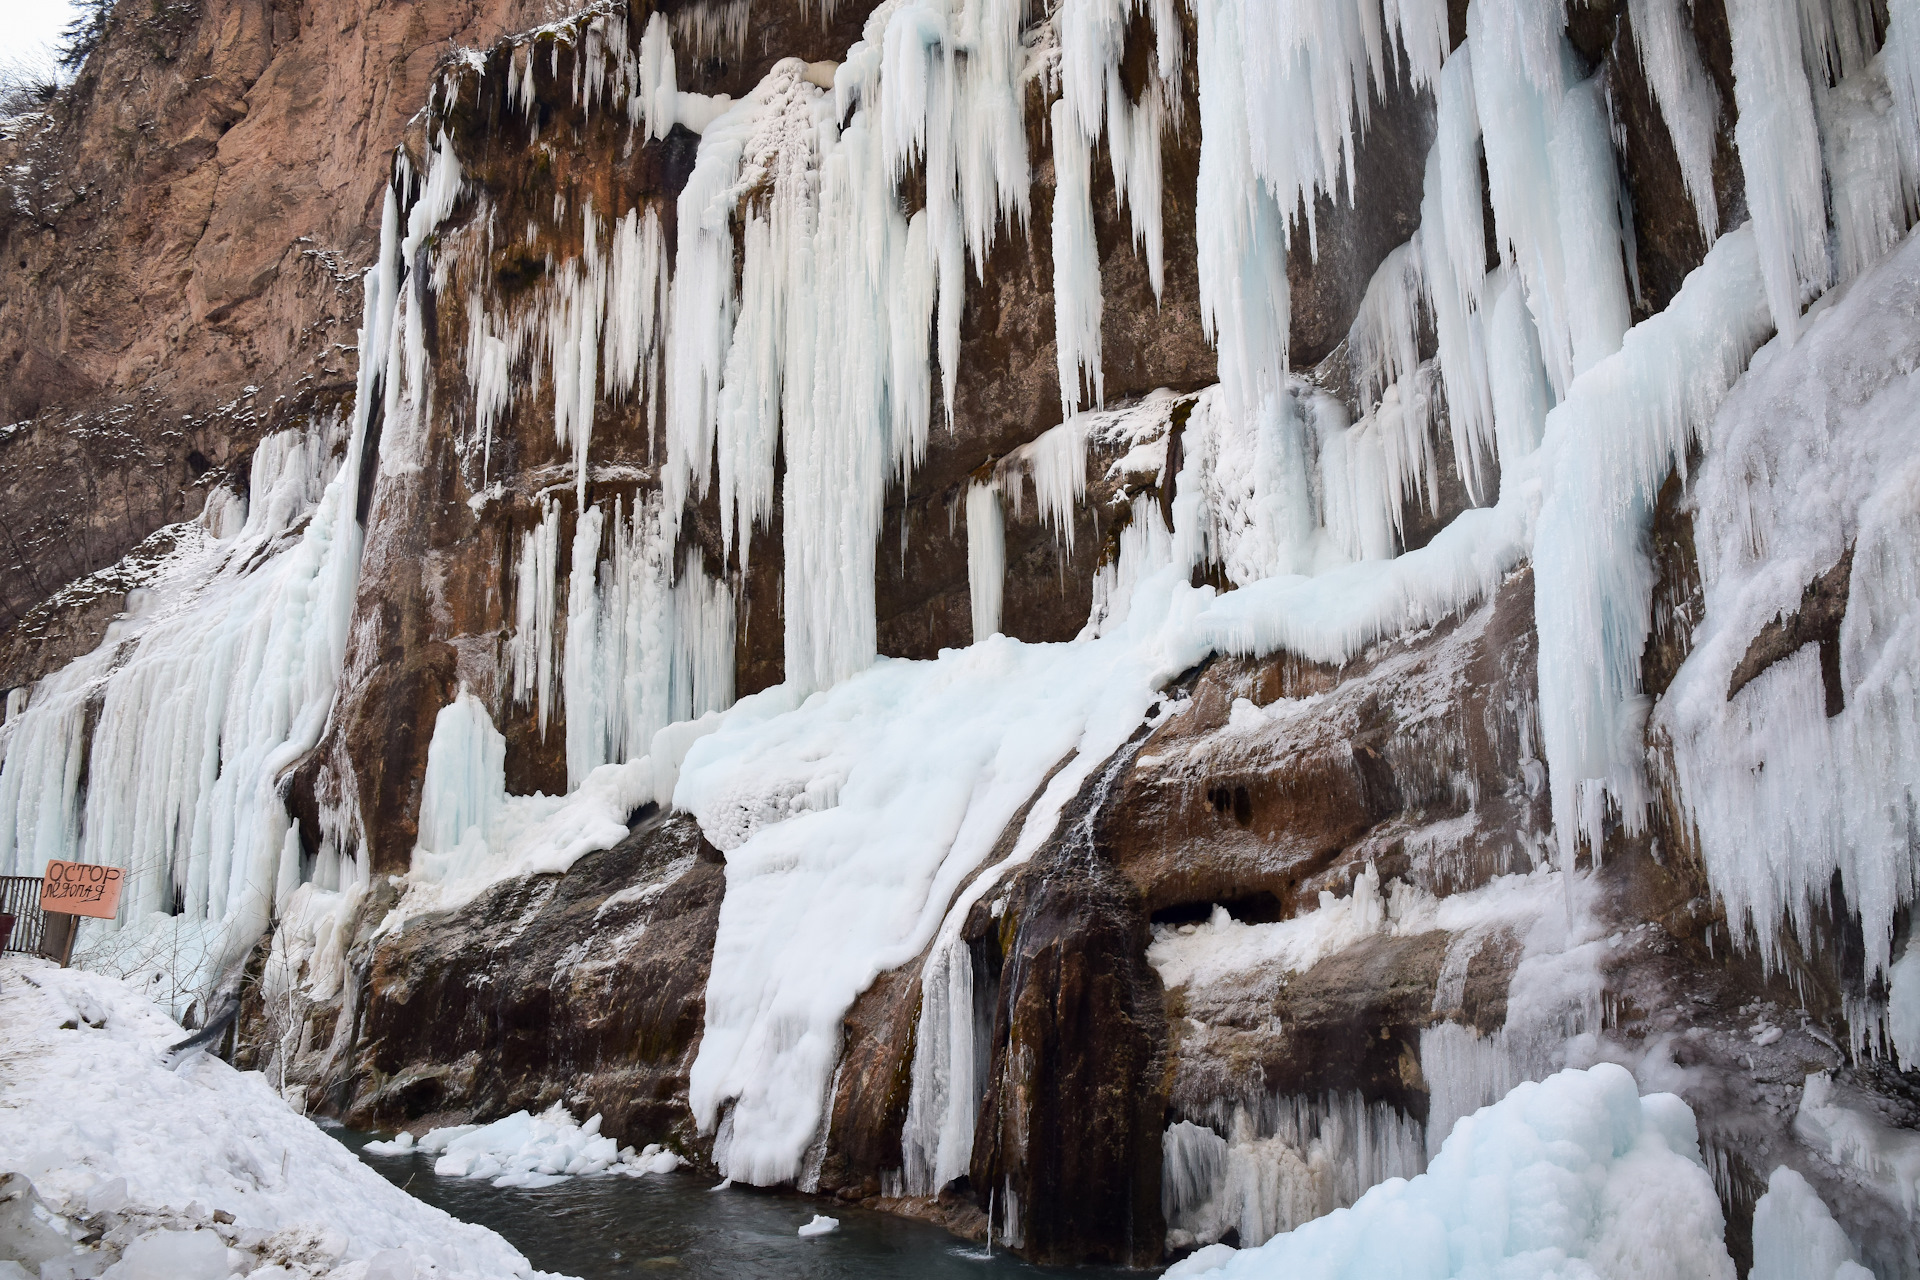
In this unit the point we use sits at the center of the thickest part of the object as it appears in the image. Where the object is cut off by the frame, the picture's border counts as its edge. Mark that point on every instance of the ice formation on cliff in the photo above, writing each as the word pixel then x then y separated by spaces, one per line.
pixel 1576 1175
pixel 802 311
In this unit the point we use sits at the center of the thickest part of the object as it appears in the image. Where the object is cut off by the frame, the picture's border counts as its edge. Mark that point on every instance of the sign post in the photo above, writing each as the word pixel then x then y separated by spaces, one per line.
pixel 76 889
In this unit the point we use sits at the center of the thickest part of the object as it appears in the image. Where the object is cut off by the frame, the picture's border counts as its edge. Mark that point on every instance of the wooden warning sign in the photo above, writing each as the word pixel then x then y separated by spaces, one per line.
pixel 82 889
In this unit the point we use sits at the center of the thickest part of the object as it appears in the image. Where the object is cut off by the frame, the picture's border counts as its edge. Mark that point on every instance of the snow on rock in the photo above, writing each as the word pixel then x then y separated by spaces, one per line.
pixel 193 1169
pixel 525 1150
pixel 819 1226
pixel 473 834
pixel 1224 949
pixel 851 823
pixel 1795 1238
pixel 1572 1176
pixel 1843 1124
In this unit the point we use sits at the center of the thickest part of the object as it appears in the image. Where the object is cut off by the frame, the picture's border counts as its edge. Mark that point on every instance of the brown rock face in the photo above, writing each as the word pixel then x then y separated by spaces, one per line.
pixel 180 239
pixel 587 988
pixel 1348 765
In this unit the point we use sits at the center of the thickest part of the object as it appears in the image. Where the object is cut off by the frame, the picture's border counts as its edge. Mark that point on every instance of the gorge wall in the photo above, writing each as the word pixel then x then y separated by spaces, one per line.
pixel 1086 621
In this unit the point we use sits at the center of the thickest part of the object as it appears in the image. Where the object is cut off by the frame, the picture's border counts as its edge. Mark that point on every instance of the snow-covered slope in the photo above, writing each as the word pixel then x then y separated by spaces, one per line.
pixel 126 1145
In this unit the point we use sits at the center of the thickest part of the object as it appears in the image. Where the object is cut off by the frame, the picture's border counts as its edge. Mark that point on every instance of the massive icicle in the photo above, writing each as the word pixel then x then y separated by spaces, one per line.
pixel 1779 155
pixel 1624 424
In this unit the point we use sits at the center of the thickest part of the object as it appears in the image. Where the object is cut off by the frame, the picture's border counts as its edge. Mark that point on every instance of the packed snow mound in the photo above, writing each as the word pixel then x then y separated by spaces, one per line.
pixel 1574 1177
pixel 194 1168
pixel 1795 1238
pixel 525 1150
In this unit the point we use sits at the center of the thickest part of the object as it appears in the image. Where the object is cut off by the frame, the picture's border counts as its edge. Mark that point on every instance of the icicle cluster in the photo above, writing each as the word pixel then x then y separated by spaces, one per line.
pixel 1282 1162
pixel 219 678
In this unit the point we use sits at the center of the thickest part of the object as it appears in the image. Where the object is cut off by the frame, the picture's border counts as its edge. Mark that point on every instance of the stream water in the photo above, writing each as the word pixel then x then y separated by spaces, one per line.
pixel 672 1225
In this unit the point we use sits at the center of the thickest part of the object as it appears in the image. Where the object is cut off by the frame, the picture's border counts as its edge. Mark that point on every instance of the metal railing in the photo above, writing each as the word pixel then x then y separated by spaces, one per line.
pixel 20 898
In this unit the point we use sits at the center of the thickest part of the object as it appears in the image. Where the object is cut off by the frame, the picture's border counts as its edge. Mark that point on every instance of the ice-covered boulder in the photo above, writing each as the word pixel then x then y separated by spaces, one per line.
pixel 1574 1177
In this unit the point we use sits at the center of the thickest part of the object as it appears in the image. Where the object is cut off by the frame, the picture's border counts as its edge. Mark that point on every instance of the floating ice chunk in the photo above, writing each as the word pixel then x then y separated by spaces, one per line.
pixel 820 1226
pixel 1795 1238
pixel 400 1144
pixel 529 1151
pixel 653 1158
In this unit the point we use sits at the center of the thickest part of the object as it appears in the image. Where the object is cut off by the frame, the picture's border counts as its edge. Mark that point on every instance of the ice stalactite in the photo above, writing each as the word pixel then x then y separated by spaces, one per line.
pixel 1240 232
pixel 1145 548
pixel 1055 464
pixel 492 350
pixel 1283 1161
pixel 1871 179
pixel 986 557
pixel 1076 268
pixel 638 295
pixel 1779 144
pixel 1663 37
pixel 1092 42
pixel 1552 182
pixel 951 1056
pixel 466 778
pixel 1608 447
pixel 535 597
pixel 577 308
pixel 827 342
pixel 642 650
pixel 1245 494
pixel 1451 246
pixel 1517 391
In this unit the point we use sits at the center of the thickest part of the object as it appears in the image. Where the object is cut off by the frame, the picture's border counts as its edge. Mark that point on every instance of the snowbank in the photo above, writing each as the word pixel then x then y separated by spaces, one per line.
pixel 1795 1238
pixel 1574 1176
pixel 525 1150
pixel 152 1161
